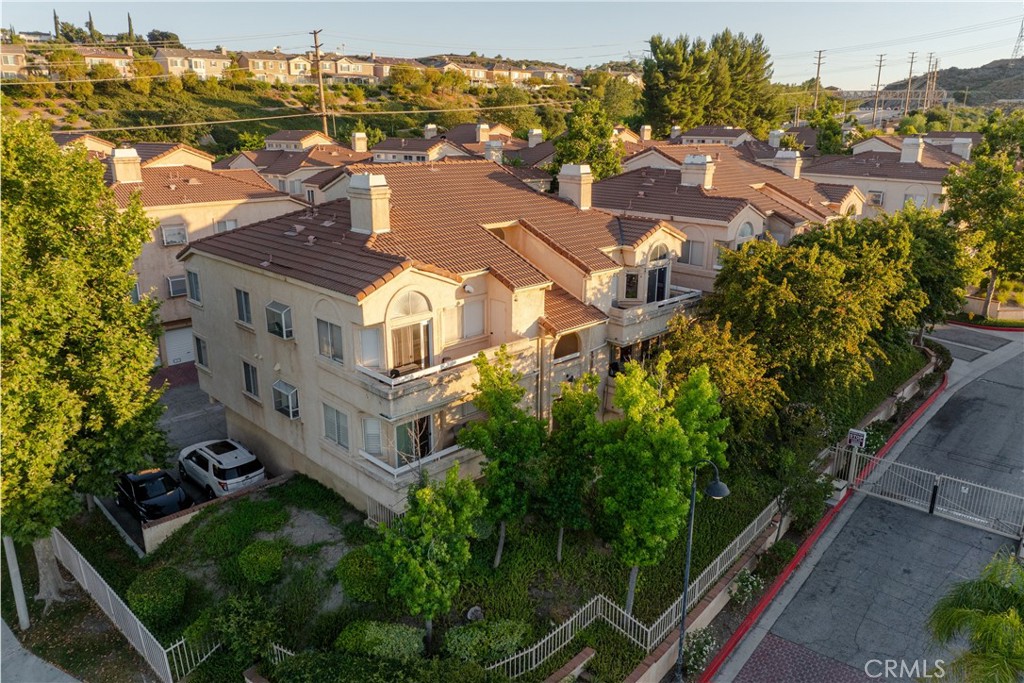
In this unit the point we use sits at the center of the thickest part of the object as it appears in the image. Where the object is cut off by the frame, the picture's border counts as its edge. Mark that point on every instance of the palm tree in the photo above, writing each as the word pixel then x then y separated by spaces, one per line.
pixel 989 612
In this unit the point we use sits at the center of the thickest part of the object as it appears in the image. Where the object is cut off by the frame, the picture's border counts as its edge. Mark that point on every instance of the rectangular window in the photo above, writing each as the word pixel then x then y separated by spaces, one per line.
pixel 279 320
pixel 225 225
pixel 175 286
pixel 251 384
pixel 632 286
pixel 413 440
pixel 369 347
pixel 194 292
pixel 329 339
pixel 310 196
pixel 335 426
pixel 282 185
pixel 296 187
pixel 657 284
pixel 473 319
pixel 242 304
pixel 693 253
pixel 202 359
pixel 876 198
pixel 286 399
pixel 410 345
pixel 371 435
pixel 918 199
pixel 720 247
pixel 174 234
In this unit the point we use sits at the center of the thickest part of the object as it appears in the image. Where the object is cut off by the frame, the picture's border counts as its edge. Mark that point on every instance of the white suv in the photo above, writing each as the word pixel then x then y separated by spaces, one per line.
pixel 220 467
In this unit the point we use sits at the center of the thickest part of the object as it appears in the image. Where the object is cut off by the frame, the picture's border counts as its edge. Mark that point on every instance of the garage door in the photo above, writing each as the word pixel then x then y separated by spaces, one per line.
pixel 179 346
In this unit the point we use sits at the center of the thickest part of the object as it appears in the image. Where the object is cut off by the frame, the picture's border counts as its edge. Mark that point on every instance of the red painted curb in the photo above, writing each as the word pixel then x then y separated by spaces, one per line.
pixel 809 542
pixel 991 328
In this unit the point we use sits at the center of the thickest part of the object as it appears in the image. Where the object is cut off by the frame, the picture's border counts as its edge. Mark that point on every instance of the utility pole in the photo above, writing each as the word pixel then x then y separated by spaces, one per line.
pixel 878 88
pixel 927 82
pixel 910 82
pixel 320 79
pixel 817 78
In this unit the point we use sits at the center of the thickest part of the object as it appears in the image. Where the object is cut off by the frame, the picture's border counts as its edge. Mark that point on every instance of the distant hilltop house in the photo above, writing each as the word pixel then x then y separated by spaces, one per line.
pixel 276 66
pixel 203 63
pixel 95 56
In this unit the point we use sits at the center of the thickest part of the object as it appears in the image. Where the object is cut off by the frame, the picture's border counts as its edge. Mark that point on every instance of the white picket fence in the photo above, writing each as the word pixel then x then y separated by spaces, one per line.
pixel 645 637
pixel 170 664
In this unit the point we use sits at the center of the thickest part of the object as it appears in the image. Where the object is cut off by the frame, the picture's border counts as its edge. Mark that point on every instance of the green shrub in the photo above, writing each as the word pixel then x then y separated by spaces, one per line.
pixel 358 533
pixel 343 667
pixel 157 596
pixel 200 629
pixel 308 494
pixel 298 599
pixel 486 641
pixel 361 576
pixel 745 586
pixel 261 562
pixel 775 559
pixel 697 650
pixel 379 639
pixel 878 433
pixel 247 627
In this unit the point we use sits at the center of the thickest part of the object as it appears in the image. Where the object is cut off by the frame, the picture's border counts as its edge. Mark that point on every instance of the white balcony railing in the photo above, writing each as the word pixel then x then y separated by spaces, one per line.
pixel 414 466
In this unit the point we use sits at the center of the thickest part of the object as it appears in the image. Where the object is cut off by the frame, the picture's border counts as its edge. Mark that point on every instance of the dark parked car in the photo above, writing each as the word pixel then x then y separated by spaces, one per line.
pixel 151 494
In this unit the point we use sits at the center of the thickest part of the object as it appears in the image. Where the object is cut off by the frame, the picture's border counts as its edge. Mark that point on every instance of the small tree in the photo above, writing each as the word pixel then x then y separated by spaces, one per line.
pixel 829 128
pixel 427 549
pixel 510 439
pixel 568 468
pixel 588 140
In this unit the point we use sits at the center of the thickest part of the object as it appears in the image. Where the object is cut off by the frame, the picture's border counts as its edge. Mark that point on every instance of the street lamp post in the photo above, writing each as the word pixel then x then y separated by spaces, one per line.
pixel 716 490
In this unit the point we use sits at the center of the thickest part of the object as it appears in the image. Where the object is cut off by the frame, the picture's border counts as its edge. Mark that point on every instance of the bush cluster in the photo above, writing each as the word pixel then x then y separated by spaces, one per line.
pixel 698 648
pixel 486 641
pixel 343 667
pixel 745 586
pixel 261 562
pixel 157 596
pixel 379 639
pixel 360 575
pixel 775 558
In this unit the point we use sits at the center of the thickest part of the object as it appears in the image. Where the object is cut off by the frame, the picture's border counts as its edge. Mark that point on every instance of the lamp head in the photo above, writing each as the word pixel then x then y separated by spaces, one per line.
pixel 717 489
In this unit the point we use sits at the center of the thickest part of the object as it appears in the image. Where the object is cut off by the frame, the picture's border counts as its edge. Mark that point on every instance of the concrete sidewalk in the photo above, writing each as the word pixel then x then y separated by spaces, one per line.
pixel 18 665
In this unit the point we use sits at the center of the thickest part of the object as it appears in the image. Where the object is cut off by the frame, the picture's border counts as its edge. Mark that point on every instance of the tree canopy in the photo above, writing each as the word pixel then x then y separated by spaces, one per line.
pixel 588 140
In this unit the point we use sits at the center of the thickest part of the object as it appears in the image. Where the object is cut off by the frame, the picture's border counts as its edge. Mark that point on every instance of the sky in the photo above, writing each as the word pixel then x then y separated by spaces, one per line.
pixel 578 34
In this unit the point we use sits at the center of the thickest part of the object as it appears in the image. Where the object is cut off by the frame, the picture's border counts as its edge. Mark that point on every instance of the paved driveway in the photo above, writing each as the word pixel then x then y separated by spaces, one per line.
pixel 866 589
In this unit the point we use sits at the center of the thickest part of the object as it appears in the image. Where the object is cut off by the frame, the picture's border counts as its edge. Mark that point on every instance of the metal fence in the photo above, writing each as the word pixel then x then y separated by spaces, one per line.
pixel 279 654
pixel 645 637
pixel 170 664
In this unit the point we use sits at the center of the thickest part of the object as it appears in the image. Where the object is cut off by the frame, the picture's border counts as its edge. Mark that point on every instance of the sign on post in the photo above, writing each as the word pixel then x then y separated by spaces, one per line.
pixel 857 438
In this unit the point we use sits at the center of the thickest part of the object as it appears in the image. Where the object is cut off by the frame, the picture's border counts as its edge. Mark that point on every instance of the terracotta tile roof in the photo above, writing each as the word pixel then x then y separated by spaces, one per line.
pixel 170 186
pixel 465 133
pixel 564 312
pixel 247 175
pixel 202 54
pixel 153 151
pixel 99 53
pixel 837 194
pixel 292 135
pixel 398 61
pixel 265 55
pixel 407 145
pixel 531 156
pixel 715 131
pixel 806 136
pixel 880 165
pixel 65 138
pixel 633 192
pixel 325 177
pixel 932 155
pixel 9 49
pixel 752 150
pixel 318 156
pixel 527 172
pixel 951 135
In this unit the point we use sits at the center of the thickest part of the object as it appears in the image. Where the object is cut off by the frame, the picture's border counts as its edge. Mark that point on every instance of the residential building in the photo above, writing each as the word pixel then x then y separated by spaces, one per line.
pixel 95 56
pixel 36 36
pixel 504 71
pixel 189 200
pixel 397 150
pixel 340 340
pixel 382 65
pixel 203 63
pixel 714 135
pixel 476 73
pixel 719 200
pixel 300 69
pixel 13 61
pixel 345 69
pixel 271 67
pixel 97 147
pixel 959 144
pixel 889 179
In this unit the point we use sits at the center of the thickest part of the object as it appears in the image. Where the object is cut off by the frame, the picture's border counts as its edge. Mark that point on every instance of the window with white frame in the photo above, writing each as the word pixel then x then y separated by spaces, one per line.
pixel 279 320
pixel 329 340
pixel 876 198
pixel 369 347
pixel 917 199
pixel 194 292
pixel 310 196
pixel 243 307
pixel 414 440
pixel 335 426
pixel 465 321
pixel 202 359
pixel 720 248
pixel 225 225
pixel 693 253
pixel 174 233
pixel 250 379
pixel 371 436
pixel 286 399
pixel 175 286
pixel 746 232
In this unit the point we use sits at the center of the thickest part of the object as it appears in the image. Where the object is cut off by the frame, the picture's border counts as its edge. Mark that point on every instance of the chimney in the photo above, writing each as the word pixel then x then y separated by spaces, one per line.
pixel 370 203
pixel 492 151
pixel 575 183
pixel 698 170
pixel 961 147
pixel 775 138
pixel 912 149
pixel 536 136
pixel 483 132
pixel 676 132
pixel 645 133
pixel 789 162
pixel 127 165
pixel 358 141
pixel 430 131
pixel 128 51
pixel 223 50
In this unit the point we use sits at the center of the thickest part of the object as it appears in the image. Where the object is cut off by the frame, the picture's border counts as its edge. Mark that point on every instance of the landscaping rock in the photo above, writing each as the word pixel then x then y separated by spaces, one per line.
pixel 475 613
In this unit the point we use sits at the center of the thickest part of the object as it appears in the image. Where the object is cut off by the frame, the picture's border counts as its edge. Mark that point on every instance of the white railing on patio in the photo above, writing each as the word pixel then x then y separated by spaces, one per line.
pixel 645 637
pixel 170 664
pixel 278 654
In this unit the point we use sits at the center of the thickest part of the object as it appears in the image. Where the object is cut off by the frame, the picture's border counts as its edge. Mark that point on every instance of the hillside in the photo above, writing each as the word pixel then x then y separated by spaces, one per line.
pixel 1002 79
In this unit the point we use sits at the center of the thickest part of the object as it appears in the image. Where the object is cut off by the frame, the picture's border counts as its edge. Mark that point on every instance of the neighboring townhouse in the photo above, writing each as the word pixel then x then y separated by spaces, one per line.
pixel 95 56
pixel 556 73
pixel 300 69
pixel 713 135
pixel 36 36
pixel 190 201
pixel 382 65
pixel 271 67
pixel 480 139
pixel 346 69
pixel 719 200
pixel 504 71
pixel 13 61
pixel 340 339
pixel 889 179
pixel 291 157
pixel 537 153
pixel 97 147
pixel 476 73
pixel 203 63
pixel 397 150
pixel 959 144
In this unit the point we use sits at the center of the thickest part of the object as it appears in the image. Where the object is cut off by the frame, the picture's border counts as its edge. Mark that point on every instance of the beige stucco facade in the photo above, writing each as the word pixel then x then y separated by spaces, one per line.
pixel 887 195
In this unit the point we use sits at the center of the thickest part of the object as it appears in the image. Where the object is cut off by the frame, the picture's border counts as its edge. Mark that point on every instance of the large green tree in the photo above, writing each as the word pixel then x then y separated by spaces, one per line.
pixel 829 128
pixel 78 353
pixel 620 99
pixel 988 613
pixel 588 140
pixel 676 83
pixel 427 549
pixel 567 471
pixel 516 113
pixel 510 439
pixel 1003 133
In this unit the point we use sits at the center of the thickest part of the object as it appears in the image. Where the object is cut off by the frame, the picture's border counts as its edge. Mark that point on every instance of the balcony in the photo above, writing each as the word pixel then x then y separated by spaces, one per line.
pixel 630 324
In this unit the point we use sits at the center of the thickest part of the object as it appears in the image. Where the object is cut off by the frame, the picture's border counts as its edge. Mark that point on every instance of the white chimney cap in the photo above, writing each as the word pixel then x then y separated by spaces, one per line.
pixel 125 153
pixel 365 181
pixel 536 131
pixel 697 159
pixel 787 154
pixel 575 170
pixel 359 134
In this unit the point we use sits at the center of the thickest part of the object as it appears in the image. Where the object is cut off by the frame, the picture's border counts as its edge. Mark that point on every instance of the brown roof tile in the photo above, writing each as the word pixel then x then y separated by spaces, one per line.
pixel 292 135
pixel 407 145
pixel 564 312
pixel 173 185
pixel 152 151
pixel 715 131
pixel 880 165
pixel 64 138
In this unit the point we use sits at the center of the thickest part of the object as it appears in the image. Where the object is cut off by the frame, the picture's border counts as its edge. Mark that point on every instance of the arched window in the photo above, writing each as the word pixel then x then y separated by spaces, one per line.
pixel 746 231
pixel 567 345
pixel 410 323
pixel 408 303
pixel 659 253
